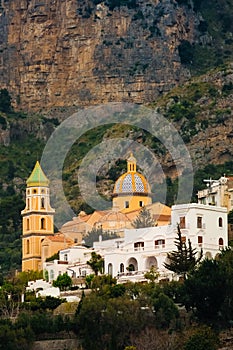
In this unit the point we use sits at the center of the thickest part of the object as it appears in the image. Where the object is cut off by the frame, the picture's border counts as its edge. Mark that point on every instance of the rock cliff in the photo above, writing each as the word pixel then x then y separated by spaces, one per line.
pixel 78 53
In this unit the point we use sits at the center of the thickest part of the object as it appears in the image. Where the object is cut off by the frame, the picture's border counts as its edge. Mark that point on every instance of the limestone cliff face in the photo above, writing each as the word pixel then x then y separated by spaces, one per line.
pixel 78 53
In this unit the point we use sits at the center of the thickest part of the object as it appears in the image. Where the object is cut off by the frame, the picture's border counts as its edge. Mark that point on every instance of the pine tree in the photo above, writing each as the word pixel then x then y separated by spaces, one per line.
pixel 144 219
pixel 183 260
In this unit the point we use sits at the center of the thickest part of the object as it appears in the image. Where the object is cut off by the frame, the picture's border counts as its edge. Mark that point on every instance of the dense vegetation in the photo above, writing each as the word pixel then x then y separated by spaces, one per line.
pixel 188 314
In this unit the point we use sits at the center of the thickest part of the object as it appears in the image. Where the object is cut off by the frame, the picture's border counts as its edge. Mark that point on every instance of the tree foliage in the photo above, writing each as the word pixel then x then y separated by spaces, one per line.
pixel 183 260
pixel 5 101
pixel 95 234
pixel 144 219
pixel 96 263
pixel 208 290
pixel 63 282
pixel 204 338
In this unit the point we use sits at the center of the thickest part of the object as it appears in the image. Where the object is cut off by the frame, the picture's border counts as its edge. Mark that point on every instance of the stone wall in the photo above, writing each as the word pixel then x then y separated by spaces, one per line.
pixel 71 53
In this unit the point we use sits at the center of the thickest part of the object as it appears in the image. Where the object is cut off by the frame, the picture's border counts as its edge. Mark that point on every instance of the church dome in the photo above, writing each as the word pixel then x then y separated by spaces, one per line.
pixel 131 182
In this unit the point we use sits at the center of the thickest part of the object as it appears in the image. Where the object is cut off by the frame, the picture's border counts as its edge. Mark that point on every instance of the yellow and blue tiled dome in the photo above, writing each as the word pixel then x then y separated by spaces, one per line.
pixel 131 182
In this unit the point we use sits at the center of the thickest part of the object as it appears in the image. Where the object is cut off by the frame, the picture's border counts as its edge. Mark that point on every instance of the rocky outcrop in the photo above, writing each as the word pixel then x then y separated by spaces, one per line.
pixel 79 53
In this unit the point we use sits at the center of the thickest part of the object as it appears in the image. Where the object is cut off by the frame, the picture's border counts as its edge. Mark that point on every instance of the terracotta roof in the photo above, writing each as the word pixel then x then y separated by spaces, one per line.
pixel 59 238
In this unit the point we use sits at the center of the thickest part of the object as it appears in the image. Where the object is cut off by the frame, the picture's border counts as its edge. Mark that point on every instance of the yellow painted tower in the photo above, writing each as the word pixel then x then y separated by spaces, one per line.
pixel 131 190
pixel 38 219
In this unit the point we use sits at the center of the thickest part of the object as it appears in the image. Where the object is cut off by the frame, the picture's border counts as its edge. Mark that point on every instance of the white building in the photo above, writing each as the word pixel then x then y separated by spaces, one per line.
pixel 130 257
pixel 218 193
pixel 71 261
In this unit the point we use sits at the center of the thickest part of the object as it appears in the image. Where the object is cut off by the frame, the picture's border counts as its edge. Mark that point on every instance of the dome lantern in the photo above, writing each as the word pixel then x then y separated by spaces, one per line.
pixel 131 190
pixel 131 163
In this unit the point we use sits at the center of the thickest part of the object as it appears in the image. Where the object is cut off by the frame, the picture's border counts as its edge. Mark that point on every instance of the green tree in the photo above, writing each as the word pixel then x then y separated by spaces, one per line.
pixel 183 260
pixel 152 275
pixel 230 217
pixel 109 323
pixel 205 291
pixel 204 338
pixel 94 235
pixel 166 312
pixel 96 263
pixel 186 52
pixel 225 261
pixel 63 282
pixel 144 219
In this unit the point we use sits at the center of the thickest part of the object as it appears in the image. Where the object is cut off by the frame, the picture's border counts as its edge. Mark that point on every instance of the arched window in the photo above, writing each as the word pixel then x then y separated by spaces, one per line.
pixel 65 257
pixel 28 224
pixel 220 243
pixel 122 268
pixel 42 224
pixel 27 246
pixel 110 269
pixel 28 203
pixel 220 222
pixel 42 202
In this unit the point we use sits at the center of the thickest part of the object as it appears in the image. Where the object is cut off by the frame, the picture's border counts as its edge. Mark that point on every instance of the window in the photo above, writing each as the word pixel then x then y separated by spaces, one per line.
pixel 28 224
pixel 42 202
pixel 141 204
pixel 65 257
pixel 28 203
pixel 122 268
pixel 126 204
pixel 199 222
pixel 183 239
pixel 42 224
pixel 220 242
pixel 34 191
pixel 200 240
pixel 76 240
pixel 139 246
pixel 182 222
pixel 110 269
pixel 28 247
pixel 160 243
pixel 220 222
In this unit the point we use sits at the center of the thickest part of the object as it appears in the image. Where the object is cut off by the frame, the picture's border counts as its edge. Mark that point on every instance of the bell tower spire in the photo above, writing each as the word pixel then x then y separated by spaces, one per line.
pixel 38 219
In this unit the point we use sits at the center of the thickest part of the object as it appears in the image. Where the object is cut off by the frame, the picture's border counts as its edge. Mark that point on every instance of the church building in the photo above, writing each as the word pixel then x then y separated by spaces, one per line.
pixel 131 193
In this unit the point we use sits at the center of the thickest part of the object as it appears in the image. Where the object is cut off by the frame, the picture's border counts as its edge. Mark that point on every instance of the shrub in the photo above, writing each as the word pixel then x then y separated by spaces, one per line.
pixel 203 339
pixel 5 101
pixel 186 52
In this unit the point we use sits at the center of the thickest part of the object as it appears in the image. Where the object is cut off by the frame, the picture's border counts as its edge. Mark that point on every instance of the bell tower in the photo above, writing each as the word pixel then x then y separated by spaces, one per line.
pixel 38 219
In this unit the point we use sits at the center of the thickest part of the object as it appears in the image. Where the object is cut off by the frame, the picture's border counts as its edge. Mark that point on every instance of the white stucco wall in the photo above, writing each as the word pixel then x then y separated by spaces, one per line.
pixel 150 254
